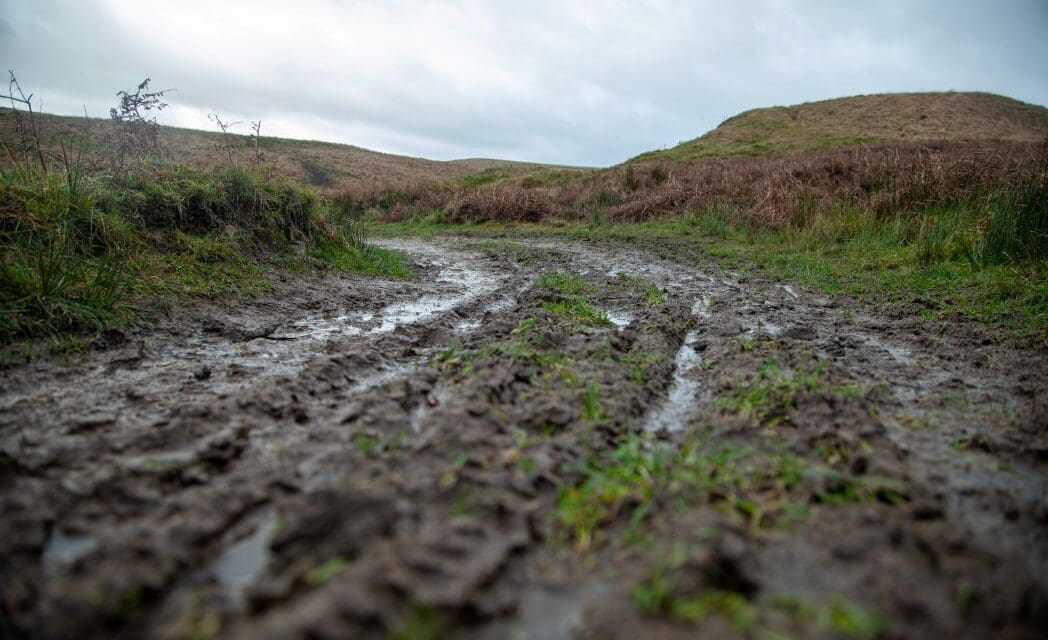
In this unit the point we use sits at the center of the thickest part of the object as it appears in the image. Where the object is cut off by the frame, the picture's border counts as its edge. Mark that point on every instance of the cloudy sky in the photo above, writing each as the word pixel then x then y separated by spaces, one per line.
pixel 570 81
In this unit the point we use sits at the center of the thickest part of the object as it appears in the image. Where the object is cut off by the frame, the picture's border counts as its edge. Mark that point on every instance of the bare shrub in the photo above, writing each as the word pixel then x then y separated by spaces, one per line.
pixel 28 131
pixel 227 142
pixel 259 157
pixel 135 137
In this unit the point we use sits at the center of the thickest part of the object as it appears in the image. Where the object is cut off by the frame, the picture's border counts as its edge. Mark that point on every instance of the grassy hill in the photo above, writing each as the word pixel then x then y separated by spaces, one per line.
pixel 869 119
pixel 327 166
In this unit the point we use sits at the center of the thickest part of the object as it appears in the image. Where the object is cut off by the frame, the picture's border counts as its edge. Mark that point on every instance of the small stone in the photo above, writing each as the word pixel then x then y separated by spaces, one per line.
pixel 203 373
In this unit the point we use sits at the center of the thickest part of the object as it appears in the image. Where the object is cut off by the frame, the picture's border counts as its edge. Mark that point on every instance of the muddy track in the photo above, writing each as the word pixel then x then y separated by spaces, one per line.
pixel 353 457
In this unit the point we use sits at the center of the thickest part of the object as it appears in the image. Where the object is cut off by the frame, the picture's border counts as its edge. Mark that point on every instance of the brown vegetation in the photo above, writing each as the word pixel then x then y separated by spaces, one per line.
pixel 765 191
pixel 329 167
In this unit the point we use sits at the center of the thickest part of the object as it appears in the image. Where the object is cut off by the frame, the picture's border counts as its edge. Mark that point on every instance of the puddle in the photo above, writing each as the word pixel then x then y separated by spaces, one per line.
pixel 504 303
pixel 63 549
pixel 673 413
pixel 380 378
pixel 423 409
pixel 219 362
pixel 763 327
pixel 899 354
pixel 620 319
pixel 242 563
pixel 157 461
pixel 467 325
pixel 701 307
pixel 544 613
pixel 453 270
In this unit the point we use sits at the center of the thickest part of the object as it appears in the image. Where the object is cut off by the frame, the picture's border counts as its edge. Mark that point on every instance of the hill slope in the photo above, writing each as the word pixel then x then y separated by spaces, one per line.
pixel 330 167
pixel 868 119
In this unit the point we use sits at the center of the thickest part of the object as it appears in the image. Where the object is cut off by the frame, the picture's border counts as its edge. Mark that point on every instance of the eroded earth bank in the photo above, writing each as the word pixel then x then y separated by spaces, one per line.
pixel 532 438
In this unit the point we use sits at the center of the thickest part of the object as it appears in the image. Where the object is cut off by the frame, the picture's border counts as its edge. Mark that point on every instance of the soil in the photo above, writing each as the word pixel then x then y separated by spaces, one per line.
pixel 355 457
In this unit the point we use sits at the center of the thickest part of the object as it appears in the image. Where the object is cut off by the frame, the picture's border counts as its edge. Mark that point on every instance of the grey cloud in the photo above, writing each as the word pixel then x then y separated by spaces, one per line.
pixel 582 83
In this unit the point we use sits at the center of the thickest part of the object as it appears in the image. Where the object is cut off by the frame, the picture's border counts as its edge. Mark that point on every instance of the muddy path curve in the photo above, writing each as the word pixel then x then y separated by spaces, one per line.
pixel 463 455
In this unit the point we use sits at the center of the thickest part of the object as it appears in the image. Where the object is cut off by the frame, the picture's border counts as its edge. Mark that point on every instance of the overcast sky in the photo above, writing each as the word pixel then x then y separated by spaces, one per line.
pixel 570 81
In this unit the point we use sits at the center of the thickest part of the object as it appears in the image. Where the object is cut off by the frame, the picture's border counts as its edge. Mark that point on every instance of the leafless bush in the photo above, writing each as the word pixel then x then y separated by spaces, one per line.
pixel 259 158
pixel 227 142
pixel 28 132
pixel 136 134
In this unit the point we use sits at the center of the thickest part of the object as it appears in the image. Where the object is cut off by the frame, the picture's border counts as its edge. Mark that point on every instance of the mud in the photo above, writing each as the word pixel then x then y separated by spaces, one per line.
pixel 355 457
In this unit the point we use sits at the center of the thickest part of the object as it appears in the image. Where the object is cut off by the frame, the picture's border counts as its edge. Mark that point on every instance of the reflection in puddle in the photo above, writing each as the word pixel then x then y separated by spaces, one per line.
pixel 620 319
pixel 240 564
pixel 286 351
pixel 673 413
pixel 899 354
pixel 701 307
pixel 66 548
pixel 763 327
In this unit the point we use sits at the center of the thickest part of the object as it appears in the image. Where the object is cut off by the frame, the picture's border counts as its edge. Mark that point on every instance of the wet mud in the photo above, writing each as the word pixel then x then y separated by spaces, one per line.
pixel 658 448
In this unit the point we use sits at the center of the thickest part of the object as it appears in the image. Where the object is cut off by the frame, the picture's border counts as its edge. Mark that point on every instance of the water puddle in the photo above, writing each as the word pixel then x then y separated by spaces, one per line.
pixel 419 413
pixel 620 319
pixel 701 307
pixel 466 282
pixel 673 413
pixel 467 325
pixel 763 327
pixel 65 549
pixel 242 562
pixel 544 613
pixel 899 354
pixel 157 461
pixel 221 364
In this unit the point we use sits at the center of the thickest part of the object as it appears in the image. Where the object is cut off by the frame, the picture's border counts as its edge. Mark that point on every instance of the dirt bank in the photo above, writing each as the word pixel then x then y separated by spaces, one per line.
pixel 532 439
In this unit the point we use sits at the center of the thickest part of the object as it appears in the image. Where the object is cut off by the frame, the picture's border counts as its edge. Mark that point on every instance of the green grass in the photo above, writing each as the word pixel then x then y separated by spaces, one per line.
pixel 569 284
pixel 988 264
pixel 892 262
pixel 577 311
pixel 649 291
pixel 485 177
pixel 524 345
pixel 321 573
pixel 419 623
pixel 662 594
pixel 79 254
pixel 631 482
pixel 568 303
pixel 592 409
pixel 768 397
pixel 369 260
pixel 64 265
pixel 620 489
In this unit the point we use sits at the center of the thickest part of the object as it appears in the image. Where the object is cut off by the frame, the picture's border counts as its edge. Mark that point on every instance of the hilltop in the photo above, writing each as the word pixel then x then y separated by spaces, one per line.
pixel 328 166
pixel 867 119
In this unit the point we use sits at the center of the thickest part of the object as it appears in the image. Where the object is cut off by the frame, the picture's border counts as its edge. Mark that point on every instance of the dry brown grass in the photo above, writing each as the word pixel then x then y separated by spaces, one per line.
pixel 330 167
pixel 762 191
